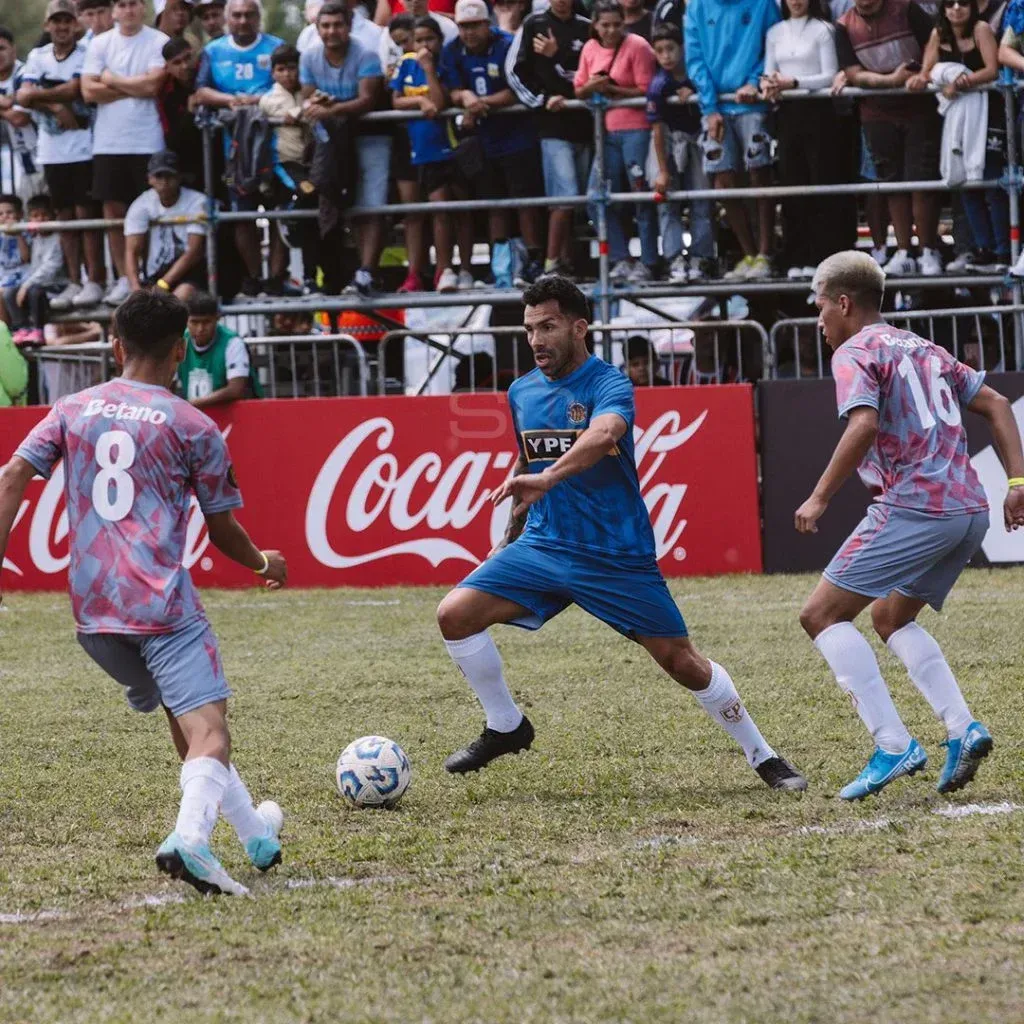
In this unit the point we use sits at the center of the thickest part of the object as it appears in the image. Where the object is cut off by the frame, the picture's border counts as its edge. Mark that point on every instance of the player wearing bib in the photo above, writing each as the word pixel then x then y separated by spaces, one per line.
pixel 133 457
pixel 580 534
pixel 903 398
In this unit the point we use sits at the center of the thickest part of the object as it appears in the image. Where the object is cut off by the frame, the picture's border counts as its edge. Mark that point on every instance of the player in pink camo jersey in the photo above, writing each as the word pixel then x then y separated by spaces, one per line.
pixel 134 455
pixel 903 399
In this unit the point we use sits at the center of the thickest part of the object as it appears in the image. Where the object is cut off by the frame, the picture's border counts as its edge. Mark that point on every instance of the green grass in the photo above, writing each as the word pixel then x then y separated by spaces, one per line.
pixel 630 868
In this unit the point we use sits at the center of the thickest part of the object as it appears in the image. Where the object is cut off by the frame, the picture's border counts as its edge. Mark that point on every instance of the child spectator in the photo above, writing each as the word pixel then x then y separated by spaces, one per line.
pixel 432 162
pixel 641 359
pixel 679 159
pixel 181 134
pixel 14 252
pixel 395 43
pixel 27 304
pixel 216 365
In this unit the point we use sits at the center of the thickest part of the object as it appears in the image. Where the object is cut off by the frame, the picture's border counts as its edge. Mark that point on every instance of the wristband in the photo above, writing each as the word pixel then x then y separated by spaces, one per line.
pixel 266 565
pixel 163 284
pixel 1015 481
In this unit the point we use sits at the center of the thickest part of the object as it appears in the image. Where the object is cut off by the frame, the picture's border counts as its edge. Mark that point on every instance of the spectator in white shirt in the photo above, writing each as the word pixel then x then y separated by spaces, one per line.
pixel 800 53
pixel 51 86
pixel 122 74
pixel 21 132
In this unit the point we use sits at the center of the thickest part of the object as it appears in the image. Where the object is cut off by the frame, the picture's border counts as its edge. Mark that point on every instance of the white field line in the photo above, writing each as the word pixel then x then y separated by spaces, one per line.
pixel 967 810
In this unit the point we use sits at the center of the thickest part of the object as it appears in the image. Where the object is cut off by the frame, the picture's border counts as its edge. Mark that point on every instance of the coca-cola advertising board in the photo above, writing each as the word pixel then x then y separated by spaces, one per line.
pixel 382 491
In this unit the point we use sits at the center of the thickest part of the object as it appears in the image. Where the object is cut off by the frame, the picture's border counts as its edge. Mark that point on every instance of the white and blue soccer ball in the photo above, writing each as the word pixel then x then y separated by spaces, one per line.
pixel 373 771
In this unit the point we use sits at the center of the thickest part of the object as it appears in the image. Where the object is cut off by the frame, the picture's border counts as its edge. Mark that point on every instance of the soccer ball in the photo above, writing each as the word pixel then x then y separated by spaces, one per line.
pixel 373 771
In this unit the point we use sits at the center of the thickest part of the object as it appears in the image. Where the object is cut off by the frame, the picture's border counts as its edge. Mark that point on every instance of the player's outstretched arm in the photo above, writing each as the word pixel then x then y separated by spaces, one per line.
pixel 516 521
pixel 999 415
pixel 857 439
pixel 229 537
pixel 14 478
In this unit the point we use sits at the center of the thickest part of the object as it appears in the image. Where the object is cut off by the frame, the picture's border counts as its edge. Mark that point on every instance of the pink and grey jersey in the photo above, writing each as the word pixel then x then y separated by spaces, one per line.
pixel 919 459
pixel 134 455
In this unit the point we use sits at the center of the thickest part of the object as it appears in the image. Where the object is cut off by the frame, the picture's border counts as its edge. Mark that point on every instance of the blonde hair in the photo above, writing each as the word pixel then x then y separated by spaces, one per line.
pixel 850 273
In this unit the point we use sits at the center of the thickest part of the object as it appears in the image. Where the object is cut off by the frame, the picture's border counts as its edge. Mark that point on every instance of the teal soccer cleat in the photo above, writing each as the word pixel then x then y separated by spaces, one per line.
pixel 882 769
pixel 196 865
pixel 265 851
pixel 963 757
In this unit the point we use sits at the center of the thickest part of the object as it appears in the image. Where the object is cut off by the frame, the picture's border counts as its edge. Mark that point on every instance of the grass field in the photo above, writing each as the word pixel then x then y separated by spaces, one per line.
pixel 630 868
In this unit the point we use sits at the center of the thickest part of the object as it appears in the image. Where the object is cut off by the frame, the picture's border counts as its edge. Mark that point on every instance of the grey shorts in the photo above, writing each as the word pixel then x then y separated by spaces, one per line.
pixel 915 553
pixel 181 669
pixel 746 144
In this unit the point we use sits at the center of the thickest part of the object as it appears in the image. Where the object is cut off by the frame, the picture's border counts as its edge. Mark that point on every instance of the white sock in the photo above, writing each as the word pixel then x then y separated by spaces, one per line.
pixel 723 704
pixel 480 663
pixel 238 811
pixel 855 666
pixel 203 781
pixel 917 649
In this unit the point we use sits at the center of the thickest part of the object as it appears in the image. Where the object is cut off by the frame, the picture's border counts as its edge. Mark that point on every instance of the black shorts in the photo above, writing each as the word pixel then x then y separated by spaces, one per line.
pixel 516 176
pixel 401 157
pixel 437 175
pixel 119 177
pixel 906 150
pixel 70 185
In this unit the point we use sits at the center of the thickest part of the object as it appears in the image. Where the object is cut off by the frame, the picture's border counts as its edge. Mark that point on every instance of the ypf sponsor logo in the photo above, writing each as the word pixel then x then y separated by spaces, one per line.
pixel 548 445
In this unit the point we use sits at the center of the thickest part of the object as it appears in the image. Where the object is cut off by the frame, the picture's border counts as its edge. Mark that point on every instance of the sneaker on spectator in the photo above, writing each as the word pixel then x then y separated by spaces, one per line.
pixel 1017 270
pixel 19 336
pixel 249 289
pixel 963 264
pixel 272 286
pixel 741 271
pixel 930 263
pixel 678 271
pixel 412 283
pixel 796 273
pixel 988 262
pixel 702 269
pixel 466 280
pixel 66 298
pixel 619 274
pixel 447 281
pixel 880 255
pixel 561 267
pixel 640 273
pixel 760 268
pixel 902 264
pixel 527 273
pixel 90 294
pixel 118 293
pixel 361 284
pixel 28 336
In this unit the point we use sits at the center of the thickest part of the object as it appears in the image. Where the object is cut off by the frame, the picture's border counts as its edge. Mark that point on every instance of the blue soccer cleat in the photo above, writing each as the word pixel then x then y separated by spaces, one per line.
pixel 963 757
pixel 882 769
pixel 265 851
pixel 196 865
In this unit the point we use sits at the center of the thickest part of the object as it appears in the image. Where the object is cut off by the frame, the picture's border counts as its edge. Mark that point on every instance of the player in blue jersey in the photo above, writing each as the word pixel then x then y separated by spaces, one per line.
pixel 579 533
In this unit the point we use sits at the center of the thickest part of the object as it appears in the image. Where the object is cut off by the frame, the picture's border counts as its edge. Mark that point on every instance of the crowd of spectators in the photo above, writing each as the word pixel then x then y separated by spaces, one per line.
pixel 101 119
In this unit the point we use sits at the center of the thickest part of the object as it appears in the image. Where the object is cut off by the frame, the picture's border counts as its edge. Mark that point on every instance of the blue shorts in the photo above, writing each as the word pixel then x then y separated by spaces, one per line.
pixel 374 155
pixel 631 598
pixel 914 553
pixel 746 144
pixel 181 669
pixel 566 166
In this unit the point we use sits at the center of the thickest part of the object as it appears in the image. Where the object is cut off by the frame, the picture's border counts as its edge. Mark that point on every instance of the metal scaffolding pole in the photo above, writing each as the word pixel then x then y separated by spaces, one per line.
pixel 1012 183
pixel 599 197
pixel 211 213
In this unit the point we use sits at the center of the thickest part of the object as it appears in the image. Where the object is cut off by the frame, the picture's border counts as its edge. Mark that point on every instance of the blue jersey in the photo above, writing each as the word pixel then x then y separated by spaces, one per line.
pixel 431 140
pixel 600 509
pixel 228 67
pixel 484 74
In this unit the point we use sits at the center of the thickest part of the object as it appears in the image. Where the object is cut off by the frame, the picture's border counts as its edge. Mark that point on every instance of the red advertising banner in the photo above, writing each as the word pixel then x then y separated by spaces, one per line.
pixel 382 491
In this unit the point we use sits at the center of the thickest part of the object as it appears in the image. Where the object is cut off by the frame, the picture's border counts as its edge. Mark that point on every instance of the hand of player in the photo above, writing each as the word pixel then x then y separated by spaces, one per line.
pixel 808 514
pixel 545 45
pixel 524 490
pixel 1013 509
pixel 277 570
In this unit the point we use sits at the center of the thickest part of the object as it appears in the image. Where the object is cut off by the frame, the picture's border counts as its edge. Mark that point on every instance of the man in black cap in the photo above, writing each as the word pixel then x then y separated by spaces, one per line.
pixel 174 253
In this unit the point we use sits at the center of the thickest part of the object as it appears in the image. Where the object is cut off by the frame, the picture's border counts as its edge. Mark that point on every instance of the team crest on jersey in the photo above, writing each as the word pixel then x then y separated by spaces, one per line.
pixel 263 60
pixel 577 412
pixel 492 70
pixel 550 445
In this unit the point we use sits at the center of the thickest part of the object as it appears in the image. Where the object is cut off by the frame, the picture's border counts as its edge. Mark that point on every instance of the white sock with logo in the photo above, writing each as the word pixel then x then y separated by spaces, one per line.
pixel 855 666
pixel 203 782
pixel 930 673
pixel 723 704
pixel 479 661
pixel 238 811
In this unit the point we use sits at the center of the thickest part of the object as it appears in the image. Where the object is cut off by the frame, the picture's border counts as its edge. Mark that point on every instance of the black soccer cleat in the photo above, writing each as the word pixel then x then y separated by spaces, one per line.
pixel 778 773
pixel 489 745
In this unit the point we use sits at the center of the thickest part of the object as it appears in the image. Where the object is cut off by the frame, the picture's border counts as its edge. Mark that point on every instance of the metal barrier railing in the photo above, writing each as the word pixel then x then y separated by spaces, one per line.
pixel 689 351
pixel 985 329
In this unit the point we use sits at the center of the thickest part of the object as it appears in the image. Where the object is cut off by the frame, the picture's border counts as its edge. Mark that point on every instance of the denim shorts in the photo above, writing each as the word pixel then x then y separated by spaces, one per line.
pixel 374 154
pixel 746 144
pixel 566 166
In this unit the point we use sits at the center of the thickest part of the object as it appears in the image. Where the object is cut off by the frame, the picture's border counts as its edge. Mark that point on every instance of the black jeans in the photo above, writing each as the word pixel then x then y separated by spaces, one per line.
pixel 34 312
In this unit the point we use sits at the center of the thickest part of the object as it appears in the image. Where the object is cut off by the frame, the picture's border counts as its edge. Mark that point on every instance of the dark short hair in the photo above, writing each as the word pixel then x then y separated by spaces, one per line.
pixel 175 47
pixel 150 324
pixel 666 31
pixel 571 301
pixel 606 7
pixel 403 20
pixel 13 200
pixel 284 54
pixel 6 33
pixel 40 202
pixel 202 304
pixel 637 347
pixel 333 7
pixel 426 21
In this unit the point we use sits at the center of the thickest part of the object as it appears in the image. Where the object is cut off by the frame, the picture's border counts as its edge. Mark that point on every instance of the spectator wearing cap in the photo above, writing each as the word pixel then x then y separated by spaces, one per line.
pixel 725 48
pixel 878 43
pixel 343 78
pixel 620 66
pixel 51 87
pixel 540 67
pixel 211 16
pixel 95 18
pixel 235 71
pixel 473 71
pixel 173 17
pixel 170 256
pixel 640 363
pixel 176 101
pixel 122 74
pixel 21 132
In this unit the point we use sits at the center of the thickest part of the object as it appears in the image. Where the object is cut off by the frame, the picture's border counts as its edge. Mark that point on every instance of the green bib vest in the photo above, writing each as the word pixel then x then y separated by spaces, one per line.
pixel 202 373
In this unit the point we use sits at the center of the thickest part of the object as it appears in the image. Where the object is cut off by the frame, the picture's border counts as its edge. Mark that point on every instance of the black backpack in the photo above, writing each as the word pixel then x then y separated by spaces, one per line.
pixel 250 163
